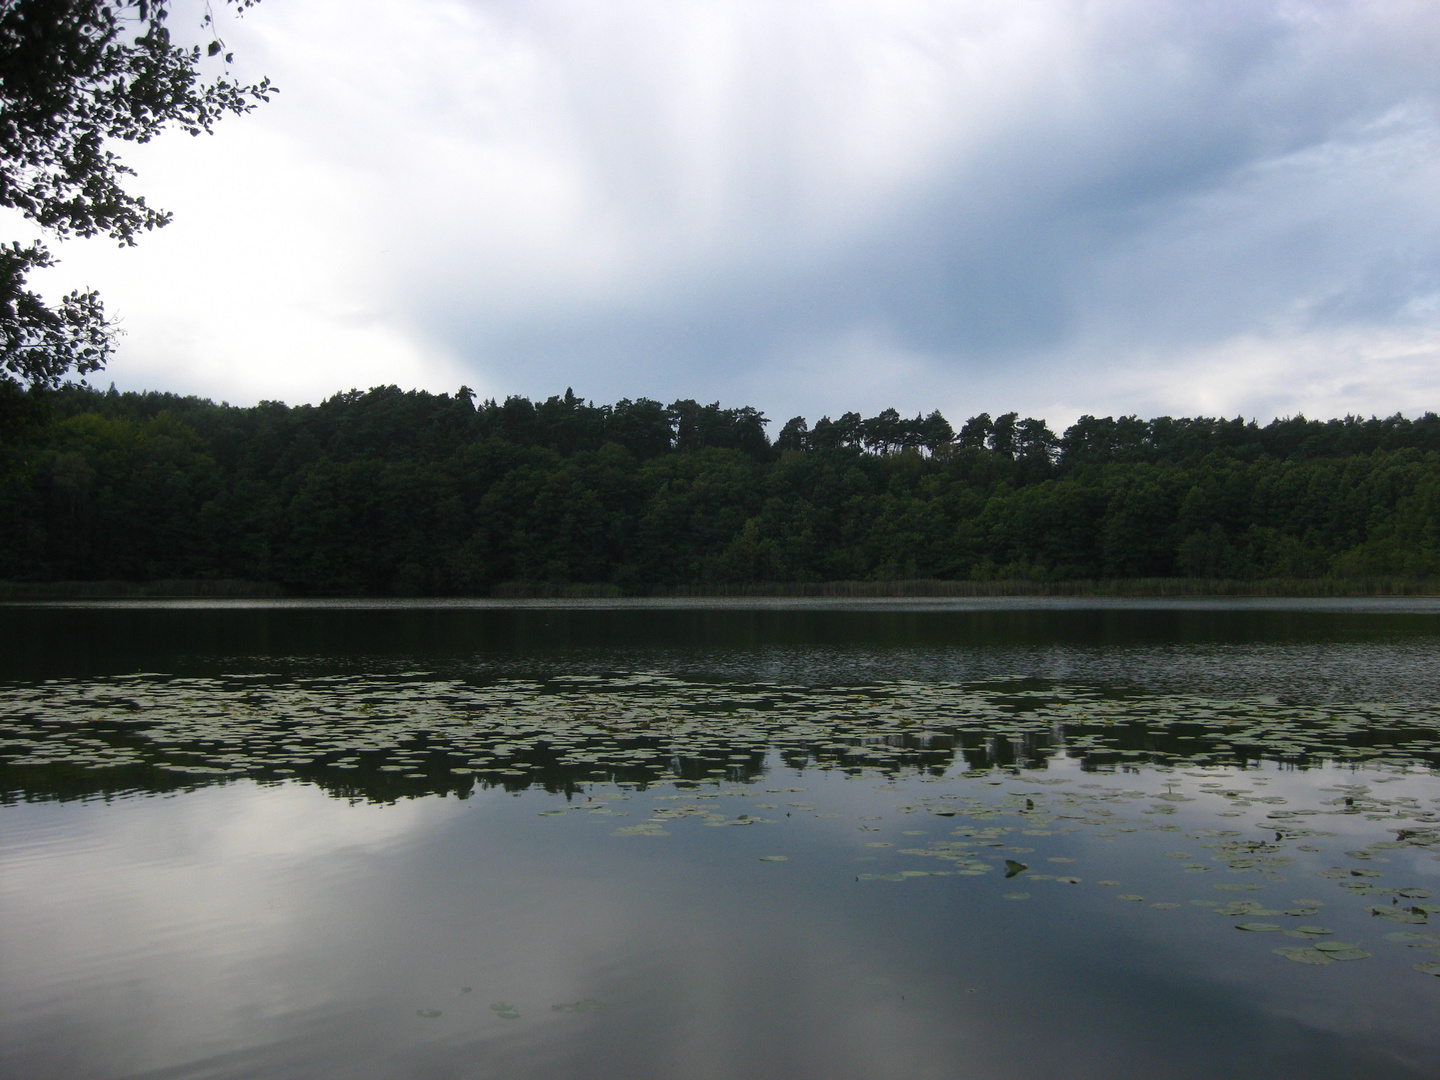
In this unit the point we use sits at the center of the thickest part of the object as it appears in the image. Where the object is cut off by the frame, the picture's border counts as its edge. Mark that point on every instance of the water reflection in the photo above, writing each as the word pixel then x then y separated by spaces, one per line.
pixel 566 863
pixel 251 930
pixel 1350 649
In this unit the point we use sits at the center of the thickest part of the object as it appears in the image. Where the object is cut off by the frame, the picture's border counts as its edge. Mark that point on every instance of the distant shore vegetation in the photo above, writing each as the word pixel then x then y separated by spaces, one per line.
pixel 395 493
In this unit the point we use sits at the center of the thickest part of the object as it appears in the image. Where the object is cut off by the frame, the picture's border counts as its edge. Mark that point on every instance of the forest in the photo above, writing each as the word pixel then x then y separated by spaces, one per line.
pixel 406 493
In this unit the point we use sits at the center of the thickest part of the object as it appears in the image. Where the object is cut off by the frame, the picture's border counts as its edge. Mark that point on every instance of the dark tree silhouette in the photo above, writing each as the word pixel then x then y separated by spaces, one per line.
pixel 404 492
pixel 77 76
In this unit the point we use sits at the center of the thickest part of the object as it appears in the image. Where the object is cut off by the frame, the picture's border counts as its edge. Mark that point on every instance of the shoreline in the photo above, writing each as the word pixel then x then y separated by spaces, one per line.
pixel 1133 588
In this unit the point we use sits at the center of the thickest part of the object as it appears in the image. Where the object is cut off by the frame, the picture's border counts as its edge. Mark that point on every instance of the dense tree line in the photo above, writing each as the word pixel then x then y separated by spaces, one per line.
pixel 389 492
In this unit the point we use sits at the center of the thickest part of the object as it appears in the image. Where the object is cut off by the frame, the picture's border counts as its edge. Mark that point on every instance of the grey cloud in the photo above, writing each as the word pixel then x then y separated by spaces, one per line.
pixel 1185 174
pixel 1050 205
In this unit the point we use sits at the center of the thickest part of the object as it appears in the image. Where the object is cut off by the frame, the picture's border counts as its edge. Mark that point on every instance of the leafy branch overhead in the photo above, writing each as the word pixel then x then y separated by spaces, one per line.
pixel 77 76
pixel 47 341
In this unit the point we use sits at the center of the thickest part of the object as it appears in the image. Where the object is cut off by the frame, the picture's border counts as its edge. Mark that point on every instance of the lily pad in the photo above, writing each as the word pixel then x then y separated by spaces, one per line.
pixel 647 829
pixel 1257 927
pixel 583 1005
pixel 1429 967
pixel 1302 955
pixel 1400 915
pixel 774 858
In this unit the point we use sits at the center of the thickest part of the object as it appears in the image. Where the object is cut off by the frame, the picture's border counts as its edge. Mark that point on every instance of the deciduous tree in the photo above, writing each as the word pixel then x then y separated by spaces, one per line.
pixel 77 77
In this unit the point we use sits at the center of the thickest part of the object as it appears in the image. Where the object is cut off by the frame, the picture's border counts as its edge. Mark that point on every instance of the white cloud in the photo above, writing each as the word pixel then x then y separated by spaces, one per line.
pixel 1318 373
pixel 1046 205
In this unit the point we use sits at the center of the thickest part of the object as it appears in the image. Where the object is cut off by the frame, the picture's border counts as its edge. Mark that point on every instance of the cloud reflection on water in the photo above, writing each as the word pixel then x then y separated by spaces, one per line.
pixel 273 930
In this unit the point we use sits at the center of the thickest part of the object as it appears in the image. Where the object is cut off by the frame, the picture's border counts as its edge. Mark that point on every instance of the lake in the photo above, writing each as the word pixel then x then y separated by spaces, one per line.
pixel 990 839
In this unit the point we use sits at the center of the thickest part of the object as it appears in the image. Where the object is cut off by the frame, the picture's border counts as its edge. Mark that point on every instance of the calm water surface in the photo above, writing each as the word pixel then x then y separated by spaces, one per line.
pixel 986 839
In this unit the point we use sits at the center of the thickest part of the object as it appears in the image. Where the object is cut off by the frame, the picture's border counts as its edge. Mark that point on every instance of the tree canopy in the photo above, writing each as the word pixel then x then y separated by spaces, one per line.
pixel 76 77
pixel 402 492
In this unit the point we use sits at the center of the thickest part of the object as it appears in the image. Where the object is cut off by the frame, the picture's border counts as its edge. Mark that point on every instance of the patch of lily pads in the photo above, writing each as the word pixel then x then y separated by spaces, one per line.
pixel 992 750
pixel 387 736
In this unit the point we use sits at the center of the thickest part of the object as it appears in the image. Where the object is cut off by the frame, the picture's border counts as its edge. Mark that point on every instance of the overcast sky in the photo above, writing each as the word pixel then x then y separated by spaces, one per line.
pixel 809 206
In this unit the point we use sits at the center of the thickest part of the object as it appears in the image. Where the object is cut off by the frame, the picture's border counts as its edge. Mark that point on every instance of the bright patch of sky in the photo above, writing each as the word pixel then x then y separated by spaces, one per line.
pixel 1051 206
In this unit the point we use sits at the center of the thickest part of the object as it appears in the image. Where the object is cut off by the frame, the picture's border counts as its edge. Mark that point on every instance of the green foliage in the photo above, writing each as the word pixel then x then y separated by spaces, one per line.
pixel 40 343
pixel 77 76
pixel 394 493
